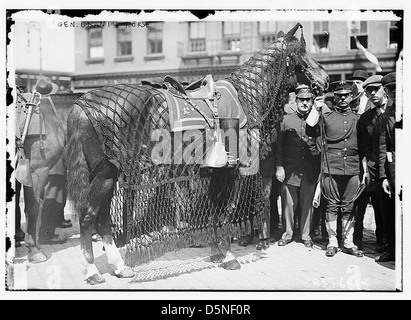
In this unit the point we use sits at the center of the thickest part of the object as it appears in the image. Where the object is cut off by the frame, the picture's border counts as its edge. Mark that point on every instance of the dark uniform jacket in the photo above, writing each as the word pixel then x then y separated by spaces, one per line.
pixel 387 144
pixel 366 125
pixel 342 144
pixel 295 151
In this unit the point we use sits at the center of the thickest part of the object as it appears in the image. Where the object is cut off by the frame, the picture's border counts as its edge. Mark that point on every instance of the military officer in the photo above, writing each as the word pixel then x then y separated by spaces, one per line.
pixel 297 167
pixel 341 164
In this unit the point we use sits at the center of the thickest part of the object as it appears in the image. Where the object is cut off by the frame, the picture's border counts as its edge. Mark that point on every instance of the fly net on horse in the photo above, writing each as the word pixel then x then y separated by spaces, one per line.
pixel 163 200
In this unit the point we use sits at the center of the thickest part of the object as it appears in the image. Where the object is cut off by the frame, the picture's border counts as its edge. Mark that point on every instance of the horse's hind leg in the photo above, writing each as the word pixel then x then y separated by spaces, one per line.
pixel 102 188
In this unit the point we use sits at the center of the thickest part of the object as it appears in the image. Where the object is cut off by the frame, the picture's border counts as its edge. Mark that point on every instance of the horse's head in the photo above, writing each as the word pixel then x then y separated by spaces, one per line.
pixel 307 69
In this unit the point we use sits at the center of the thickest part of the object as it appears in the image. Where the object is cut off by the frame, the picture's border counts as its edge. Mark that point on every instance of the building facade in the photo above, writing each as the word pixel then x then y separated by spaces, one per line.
pixel 110 53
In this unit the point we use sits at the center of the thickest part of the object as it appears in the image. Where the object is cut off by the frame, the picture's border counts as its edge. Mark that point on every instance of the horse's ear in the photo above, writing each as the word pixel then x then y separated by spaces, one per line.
pixel 290 34
pixel 303 44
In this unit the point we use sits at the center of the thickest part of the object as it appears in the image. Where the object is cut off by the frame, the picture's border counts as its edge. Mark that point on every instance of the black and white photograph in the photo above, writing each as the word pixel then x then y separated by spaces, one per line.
pixel 196 152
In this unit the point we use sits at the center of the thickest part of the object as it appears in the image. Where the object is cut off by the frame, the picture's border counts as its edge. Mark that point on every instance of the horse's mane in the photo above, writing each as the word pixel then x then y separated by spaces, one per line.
pixel 263 83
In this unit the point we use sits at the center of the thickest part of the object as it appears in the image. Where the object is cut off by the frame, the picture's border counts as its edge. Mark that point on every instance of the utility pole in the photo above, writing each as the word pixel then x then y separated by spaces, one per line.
pixel 35 25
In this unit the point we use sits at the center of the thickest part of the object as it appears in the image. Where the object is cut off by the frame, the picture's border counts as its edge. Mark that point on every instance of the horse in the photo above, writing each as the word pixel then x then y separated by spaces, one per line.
pixel 42 149
pixel 117 129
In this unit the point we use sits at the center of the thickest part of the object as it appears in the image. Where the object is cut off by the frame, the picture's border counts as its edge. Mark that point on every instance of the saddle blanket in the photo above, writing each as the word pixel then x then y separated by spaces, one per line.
pixel 184 117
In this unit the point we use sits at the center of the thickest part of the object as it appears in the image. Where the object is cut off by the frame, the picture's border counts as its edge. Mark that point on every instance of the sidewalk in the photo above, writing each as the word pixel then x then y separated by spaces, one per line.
pixel 289 268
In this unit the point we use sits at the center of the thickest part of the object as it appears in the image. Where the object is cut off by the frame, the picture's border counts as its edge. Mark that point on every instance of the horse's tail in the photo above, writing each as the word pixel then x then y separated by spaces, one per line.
pixel 78 184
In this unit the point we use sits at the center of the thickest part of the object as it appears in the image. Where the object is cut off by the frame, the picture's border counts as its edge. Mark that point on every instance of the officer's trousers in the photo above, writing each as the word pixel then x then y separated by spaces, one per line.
pixel 264 230
pixel 291 196
pixel 340 190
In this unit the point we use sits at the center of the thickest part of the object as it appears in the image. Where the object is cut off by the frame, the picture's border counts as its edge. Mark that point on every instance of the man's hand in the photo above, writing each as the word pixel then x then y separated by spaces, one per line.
pixel 280 173
pixel 366 178
pixel 386 187
pixel 318 103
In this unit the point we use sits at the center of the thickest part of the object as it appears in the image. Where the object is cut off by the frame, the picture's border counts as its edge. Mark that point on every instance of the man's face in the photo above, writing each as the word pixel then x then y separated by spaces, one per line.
pixel 343 100
pixel 390 91
pixel 375 93
pixel 304 104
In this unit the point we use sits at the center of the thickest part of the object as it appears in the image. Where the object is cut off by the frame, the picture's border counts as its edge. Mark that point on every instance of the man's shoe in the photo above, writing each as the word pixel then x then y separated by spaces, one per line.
pixel 65 224
pixel 358 243
pixel 387 256
pixel 283 242
pixel 308 243
pixel 353 251
pixel 331 251
pixel 263 244
pixel 55 239
pixel 245 241
pixel 381 248
pixel 19 236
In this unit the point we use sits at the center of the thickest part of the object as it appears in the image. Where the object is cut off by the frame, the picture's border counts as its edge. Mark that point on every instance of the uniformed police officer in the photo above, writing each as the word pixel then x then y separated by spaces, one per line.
pixel 341 165
pixel 297 167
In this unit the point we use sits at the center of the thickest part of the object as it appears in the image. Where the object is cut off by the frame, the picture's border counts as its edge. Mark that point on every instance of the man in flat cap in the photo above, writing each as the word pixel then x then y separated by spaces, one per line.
pixel 387 167
pixel 368 143
pixel 341 165
pixel 297 167
pixel 358 78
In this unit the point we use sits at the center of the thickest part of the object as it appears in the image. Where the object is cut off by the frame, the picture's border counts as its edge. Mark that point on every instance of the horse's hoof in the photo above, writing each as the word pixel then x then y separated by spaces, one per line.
pixel 37 257
pixel 95 279
pixel 126 273
pixel 231 265
pixel 217 258
pixel 245 241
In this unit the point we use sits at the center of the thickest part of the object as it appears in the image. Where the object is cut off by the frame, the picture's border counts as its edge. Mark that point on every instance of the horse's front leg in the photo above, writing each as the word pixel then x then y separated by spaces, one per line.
pixel 230 262
pixel 216 255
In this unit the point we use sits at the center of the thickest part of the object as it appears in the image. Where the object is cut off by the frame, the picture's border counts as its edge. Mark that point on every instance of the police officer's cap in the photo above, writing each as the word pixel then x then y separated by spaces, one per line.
pixel 341 87
pixel 374 80
pixel 388 79
pixel 303 91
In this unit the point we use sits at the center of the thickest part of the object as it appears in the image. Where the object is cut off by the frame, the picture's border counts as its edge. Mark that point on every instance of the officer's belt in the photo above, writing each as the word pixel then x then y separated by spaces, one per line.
pixel 342 152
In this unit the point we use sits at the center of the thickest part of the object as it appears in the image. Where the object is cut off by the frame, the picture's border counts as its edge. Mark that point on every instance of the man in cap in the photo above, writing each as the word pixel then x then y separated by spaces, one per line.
pixel 387 167
pixel 358 78
pixel 19 233
pixel 45 86
pixel 341 166
pixel 297 167
pixel 55 193
pixel 368 144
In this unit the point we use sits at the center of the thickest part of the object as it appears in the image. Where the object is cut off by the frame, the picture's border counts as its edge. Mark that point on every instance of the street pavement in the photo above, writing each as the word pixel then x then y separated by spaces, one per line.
pixel 292 268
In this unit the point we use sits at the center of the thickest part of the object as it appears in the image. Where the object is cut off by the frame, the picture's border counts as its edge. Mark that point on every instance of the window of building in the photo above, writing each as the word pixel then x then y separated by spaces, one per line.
pixel 266 32
pixel 95 43
pixel 394 35
pixel 321 36
pixel 123 41
pixel 231 35
pixel 155 38
pixel 359 30
pixel 197 37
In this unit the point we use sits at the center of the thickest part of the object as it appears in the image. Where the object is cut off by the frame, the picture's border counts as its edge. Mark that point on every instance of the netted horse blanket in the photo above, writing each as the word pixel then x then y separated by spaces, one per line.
pixel 163 202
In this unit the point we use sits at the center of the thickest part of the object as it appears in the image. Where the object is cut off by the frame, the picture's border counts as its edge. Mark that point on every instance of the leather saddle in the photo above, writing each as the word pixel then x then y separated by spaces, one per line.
pixel 201 89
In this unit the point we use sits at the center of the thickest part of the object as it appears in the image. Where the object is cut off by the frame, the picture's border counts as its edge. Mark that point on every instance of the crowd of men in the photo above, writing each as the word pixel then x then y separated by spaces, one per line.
pixel 329 161
pixel 346 151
